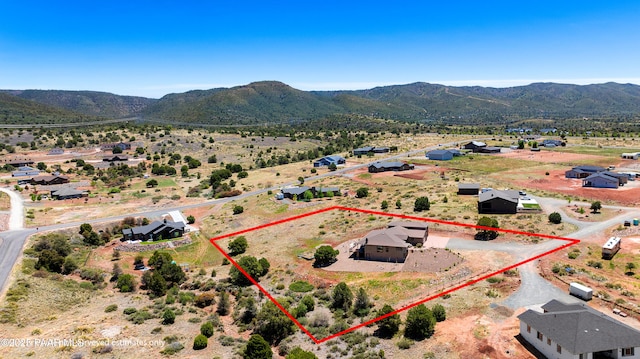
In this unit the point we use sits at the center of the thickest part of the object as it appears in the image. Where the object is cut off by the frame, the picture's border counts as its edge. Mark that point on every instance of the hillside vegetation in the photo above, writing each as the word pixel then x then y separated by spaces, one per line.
pixel 272 102
pixel 269 102
pixel 88 102
pixel 15 110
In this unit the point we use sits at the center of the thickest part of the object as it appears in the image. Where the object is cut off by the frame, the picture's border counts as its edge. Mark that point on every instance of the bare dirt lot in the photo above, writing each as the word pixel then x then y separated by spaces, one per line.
pixel 551 156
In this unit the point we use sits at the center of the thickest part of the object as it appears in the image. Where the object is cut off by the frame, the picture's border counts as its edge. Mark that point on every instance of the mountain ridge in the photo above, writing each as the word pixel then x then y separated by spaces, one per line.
pixel 276 102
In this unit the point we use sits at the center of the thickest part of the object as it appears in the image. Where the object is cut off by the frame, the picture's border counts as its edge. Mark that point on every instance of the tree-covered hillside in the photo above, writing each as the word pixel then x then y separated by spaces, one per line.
pixel 272 102
pixel 88 102
pixel 15 110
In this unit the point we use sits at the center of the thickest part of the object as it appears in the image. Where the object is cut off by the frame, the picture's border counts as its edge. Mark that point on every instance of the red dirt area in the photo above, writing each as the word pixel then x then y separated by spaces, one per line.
pixel 549 156
pixel 479 336
pixel 419 173
pixel 556 182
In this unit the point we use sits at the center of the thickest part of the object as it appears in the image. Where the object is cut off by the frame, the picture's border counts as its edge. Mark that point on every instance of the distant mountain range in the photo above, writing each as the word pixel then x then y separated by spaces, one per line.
pixel 275 102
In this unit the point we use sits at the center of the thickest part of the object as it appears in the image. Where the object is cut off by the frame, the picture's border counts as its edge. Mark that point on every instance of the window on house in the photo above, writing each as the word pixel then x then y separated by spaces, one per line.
pixel 378 249
pixel 549 343
pixel 628 352
pixel 581 356
pixel 559 348
pixel 528 328
pixel 540 336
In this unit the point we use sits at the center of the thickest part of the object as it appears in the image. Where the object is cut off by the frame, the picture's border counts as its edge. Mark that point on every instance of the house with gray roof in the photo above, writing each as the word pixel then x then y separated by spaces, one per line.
pixel 498 202
pixel 583 171
pixel 115 158
pixel 298 192
pixel 579 332
pixel 24 171
pixel 363 150
pixel 475 146
pixel 489 149
pixel 328 160
pixel 49 180
pixel 389 166
pixel 155 230
pixel 440 155
pixel 392 244
pixel 367 150
pixel 68 193
pixel 603 180
pixel 471 189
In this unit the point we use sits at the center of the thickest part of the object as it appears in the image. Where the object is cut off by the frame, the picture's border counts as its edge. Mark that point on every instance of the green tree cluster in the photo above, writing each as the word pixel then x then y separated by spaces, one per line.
pixel 485 234
pixel 252 266
pixel 421 204
pixel 238 246
pixel 272 324
pixel 324 256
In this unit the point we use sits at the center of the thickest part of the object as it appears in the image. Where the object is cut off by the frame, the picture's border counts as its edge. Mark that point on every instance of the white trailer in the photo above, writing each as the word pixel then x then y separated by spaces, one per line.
pixel 580 291
pixel 611 247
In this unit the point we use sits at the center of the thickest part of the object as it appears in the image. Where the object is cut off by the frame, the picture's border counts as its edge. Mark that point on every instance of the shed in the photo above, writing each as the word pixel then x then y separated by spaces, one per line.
pixel 471 189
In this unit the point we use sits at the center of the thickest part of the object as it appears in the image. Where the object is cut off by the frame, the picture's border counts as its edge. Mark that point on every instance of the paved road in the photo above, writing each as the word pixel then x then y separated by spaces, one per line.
pixel 12 242
pixel 534 289
pixel 16 218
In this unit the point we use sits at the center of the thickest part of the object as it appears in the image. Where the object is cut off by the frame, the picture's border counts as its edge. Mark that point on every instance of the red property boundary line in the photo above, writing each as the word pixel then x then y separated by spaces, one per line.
pixel 348 209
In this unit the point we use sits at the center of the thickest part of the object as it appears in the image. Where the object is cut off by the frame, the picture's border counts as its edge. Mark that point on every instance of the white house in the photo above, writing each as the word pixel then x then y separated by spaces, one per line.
pixel 575 331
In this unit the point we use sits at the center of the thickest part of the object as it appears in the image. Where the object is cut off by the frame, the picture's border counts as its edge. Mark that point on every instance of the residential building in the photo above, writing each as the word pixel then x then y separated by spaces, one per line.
pixel 115 158
pixel 389 166
pixel 110 146
pixel 328 160
pixel 488 149
pixel 583 171
pixel 471 189
pixel 602 180
pixel 296 192
pixel 156 230
pixel 440 155
pixel 417 232
pixel 392 244
pixel 381 149
pixel 363 151
pixel 67 193
pixel 325 191
pixel 498 202
pixel 368 150
pixel 578 332
pixel 552 143
pixel 475 146
pixel 24 171
pixel 48 180
pixel 18 162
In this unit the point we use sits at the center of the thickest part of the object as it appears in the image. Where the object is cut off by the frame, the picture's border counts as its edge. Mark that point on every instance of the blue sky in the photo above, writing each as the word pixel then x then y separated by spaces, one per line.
pixel 151 48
